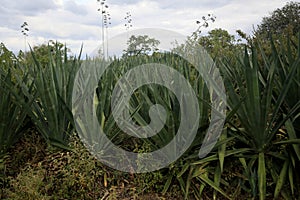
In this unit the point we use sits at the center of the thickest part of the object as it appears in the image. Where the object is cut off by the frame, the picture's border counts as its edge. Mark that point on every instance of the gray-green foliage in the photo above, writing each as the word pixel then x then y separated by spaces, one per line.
pixel 146 96
pixel 53 83
pixel 257 97
pixel 259 146
pixel 15 102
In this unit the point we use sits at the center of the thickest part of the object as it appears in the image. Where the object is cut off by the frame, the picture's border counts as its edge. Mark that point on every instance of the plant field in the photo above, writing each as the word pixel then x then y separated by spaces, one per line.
pixel 257 155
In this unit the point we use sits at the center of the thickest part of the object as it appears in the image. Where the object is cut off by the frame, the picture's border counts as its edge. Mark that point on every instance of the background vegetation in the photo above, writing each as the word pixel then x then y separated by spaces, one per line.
pixel 256 157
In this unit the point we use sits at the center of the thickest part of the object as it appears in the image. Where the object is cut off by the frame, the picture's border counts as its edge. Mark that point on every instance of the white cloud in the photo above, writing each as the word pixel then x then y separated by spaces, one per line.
pixel 77 21
pixel 75 8
pixel 28 7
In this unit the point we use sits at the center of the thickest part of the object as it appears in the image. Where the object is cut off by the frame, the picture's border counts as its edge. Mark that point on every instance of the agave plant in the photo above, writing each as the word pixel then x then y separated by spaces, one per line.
pixel 286 58
pixel 288 61
pixel 140 102
pixel 15 105
pixel 51 111
pixel 254 97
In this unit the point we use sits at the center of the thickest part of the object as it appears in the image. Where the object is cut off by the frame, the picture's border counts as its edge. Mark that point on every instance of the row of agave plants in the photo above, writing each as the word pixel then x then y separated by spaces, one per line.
pixel 257 154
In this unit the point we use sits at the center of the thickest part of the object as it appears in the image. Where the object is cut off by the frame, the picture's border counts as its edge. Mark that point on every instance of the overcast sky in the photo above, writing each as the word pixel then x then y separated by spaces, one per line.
pixel 77 22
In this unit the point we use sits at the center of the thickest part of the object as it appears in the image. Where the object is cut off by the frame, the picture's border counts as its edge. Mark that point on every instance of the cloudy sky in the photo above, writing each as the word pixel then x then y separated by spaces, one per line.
pixel 77 22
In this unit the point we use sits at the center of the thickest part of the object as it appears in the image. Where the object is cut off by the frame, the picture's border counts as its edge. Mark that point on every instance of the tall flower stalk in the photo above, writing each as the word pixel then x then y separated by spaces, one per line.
pixel 105 21
pixel 128 22
pixel 25 31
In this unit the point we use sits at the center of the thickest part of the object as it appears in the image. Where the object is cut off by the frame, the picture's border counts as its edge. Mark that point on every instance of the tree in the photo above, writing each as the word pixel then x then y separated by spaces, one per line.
pixel 141 44
pixel 7 57
pixel 41 53
pixel 282 21
pixel 9 62
pixel 219 43
pixel 281 26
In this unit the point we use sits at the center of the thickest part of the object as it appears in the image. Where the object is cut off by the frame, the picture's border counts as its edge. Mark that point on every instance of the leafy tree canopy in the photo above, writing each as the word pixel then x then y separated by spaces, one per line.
pixel 7 57
pixel 141 44
pixel 41 52
pixel 218 42
pixel 281 20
